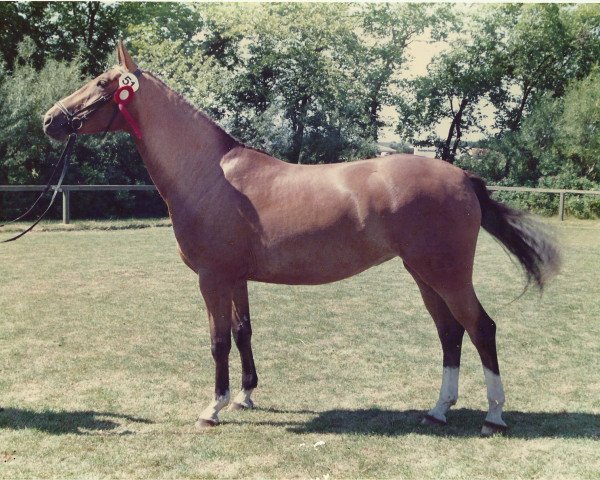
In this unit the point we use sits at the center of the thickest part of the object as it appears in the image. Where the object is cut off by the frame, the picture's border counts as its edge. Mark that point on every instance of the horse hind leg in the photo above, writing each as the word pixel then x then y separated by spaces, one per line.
pixel 466 308
pixel 451 335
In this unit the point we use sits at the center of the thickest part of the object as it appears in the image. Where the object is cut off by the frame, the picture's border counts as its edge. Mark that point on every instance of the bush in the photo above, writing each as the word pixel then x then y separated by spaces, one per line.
pixel 488 164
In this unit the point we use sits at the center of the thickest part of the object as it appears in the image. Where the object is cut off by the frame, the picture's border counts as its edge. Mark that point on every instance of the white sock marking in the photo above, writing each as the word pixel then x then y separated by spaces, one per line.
pixel 212 411
pixel 448 393
pixel 243 398
pixel 495 394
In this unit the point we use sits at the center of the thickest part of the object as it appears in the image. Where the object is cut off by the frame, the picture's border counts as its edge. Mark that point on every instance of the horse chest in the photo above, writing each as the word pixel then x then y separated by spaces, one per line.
pixel 207 245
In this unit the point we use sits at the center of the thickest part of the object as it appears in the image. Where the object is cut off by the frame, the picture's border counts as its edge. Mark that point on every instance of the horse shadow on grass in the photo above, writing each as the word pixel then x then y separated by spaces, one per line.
pixel 462 422
pixel 68 422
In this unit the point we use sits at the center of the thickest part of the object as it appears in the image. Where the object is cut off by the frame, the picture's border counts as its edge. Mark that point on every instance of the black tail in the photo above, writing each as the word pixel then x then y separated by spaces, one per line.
pixel 521 234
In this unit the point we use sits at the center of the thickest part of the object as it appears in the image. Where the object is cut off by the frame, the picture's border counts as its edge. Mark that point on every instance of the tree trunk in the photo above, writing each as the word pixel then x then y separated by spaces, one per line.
pixel 507 167
pixel 375 98
pixel 515 123
pixel 374 105
pixel 93 8
pixel 298 124
pixel 446 146
pixel 449 148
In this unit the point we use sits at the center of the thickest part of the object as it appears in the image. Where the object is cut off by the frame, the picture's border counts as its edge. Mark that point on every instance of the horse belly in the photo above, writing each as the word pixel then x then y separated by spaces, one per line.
pixel 321 257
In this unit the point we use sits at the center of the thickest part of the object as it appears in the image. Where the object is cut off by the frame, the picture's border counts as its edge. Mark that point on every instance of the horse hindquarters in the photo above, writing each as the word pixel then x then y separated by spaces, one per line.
pixel 440 258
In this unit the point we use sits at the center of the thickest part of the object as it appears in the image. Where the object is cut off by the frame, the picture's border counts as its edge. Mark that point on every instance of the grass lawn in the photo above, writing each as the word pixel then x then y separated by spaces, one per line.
pixel 105 364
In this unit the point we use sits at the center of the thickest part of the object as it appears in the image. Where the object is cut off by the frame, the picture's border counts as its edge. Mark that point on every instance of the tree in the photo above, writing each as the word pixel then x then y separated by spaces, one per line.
pixel 297 61
pixel 89 30
pixel 62 31
pixel 558 139
pixel 545 46
pixel 288 82
pixel 387 32
pixel 507 57
pixel 456 83
pixel 12 29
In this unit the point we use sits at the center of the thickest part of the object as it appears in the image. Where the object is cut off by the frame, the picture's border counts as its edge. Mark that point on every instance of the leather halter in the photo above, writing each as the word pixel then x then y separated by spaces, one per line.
pixel 75 120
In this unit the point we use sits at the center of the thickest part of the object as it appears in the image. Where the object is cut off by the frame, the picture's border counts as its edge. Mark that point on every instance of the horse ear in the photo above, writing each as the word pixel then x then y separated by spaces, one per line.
pixel 124 58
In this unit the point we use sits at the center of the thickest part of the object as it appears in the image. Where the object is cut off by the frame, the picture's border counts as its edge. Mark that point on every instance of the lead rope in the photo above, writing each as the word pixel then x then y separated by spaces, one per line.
pixel 41 195
pixel 64 159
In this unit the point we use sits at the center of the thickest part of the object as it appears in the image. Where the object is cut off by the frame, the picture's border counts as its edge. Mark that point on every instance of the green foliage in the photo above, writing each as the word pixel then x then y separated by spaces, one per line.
pixel 16 21
pixel 538 56
pixel 509 57
pixel 556 147
pixel 485 162
pixel 61 31
pixel 281 77
pixel 297 64
pixel 576 205
pixel 88 30
pixel 27 93
pixel 388 29
pixel 456 82
pixel 308 83
pixel 579 206
pixel 580 125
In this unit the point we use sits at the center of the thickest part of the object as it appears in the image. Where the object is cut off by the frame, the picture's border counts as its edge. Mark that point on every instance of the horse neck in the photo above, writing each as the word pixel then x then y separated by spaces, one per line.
pixel 181 147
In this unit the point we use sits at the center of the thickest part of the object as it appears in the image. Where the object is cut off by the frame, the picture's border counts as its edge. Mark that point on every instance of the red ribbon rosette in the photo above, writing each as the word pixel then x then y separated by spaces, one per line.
pixel 122 97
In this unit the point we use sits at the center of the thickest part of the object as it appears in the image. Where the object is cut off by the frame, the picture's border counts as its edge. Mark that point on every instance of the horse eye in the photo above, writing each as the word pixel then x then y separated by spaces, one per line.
pixel 103 83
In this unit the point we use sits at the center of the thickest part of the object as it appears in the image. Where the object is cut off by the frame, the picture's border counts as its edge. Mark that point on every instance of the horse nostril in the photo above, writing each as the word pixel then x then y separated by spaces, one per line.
pixel 48 120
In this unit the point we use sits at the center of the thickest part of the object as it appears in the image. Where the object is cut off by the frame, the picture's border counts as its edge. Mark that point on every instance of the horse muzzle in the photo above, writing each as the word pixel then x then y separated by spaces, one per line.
pixel 56 125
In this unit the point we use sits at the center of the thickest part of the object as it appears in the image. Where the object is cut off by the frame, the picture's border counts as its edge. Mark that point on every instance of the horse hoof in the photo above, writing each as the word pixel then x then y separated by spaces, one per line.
pixel 246 405
pixel 205 423
pixel 489 429
pixel 431 420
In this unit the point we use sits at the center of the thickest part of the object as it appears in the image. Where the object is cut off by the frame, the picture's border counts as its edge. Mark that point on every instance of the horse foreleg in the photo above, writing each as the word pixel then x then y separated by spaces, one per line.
pixel 218 296
pixel 451 334
pixel 242 334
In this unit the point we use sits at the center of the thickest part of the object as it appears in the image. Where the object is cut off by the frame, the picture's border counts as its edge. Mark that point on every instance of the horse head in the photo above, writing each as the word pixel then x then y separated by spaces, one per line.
pixel 93 107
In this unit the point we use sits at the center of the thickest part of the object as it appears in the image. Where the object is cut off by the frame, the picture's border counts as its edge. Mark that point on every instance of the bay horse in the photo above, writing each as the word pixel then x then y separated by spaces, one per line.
pixel 241 215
